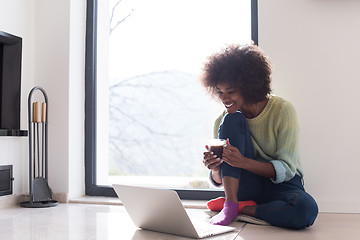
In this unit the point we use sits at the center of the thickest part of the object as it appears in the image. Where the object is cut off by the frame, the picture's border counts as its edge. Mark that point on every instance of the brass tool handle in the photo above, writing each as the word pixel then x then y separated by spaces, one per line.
pixel 36 112
pixel 43 112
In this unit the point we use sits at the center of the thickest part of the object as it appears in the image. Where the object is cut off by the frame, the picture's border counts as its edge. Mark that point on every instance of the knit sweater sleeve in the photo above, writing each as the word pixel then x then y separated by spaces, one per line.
pixel 286 160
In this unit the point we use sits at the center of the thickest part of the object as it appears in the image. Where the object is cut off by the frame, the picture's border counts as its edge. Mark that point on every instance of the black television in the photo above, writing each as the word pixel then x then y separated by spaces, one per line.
pixel 10 84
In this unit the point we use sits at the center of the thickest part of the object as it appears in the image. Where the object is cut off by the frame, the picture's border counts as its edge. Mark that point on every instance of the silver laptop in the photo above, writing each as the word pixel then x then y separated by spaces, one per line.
pixel 161 210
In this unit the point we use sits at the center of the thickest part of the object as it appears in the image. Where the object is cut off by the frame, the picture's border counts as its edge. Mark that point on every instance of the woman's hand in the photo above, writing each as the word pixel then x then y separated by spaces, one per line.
pixel 232 156
pixel 211 161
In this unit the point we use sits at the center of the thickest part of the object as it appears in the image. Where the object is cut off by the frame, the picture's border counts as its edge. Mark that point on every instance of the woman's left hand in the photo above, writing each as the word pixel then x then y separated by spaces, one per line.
pixel 232 156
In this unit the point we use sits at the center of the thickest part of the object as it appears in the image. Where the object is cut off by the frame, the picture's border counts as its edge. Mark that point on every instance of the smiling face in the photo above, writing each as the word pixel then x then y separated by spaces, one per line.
pixel 244 67
pixel 230 97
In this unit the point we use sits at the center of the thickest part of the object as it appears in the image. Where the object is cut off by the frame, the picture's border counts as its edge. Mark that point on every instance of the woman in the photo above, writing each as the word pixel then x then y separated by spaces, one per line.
pixel 260 168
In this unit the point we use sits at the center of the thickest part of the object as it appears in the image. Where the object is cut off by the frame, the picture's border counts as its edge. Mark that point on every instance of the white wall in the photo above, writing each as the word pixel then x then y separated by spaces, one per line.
pixel 314 46
pixel 60 28
pixel 76 106
pixel 53 35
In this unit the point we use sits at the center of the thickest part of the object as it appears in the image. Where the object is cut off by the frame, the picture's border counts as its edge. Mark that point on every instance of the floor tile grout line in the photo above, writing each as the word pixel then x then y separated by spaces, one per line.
pixel 240 230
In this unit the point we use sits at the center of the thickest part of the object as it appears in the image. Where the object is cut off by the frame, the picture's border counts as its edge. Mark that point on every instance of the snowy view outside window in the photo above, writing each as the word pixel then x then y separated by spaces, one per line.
pixel 153 115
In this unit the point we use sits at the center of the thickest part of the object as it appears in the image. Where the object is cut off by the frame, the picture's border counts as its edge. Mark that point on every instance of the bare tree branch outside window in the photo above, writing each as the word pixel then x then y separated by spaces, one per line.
pixel 113 25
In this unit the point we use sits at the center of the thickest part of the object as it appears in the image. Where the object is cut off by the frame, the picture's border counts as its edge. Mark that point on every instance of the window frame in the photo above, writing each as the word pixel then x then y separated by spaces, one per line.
pixel 91 188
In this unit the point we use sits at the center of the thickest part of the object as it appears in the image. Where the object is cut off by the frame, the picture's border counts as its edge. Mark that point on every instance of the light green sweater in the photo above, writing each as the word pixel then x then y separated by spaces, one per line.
pixel 275 137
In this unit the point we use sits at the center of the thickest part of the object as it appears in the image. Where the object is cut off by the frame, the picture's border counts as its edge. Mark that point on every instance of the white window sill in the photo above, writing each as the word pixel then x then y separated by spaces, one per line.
pixel 198 204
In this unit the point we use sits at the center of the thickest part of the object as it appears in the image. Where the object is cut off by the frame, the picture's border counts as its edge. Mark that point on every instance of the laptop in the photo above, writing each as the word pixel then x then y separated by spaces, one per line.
pixel 161 210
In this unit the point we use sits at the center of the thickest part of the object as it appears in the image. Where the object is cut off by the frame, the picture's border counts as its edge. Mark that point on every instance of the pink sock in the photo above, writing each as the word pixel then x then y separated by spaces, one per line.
pixel 227 214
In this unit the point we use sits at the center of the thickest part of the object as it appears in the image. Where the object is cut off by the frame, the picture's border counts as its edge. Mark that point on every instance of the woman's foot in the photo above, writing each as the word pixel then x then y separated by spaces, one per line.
pixel 243 204
pixel 227 214
pixel 216 204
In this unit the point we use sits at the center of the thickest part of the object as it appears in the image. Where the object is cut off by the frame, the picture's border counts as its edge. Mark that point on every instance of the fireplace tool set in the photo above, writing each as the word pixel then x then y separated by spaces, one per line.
pixel 40 194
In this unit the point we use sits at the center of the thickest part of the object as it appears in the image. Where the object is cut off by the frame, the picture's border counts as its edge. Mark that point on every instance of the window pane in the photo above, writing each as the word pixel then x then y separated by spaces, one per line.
pixel 154 117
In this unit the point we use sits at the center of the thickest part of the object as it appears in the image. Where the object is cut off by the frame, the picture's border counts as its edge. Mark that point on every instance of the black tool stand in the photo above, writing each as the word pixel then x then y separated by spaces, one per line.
pixel 40 195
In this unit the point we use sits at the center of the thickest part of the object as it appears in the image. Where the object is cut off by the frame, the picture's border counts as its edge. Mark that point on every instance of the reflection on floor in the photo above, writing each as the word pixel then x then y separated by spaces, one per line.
pixel 96 221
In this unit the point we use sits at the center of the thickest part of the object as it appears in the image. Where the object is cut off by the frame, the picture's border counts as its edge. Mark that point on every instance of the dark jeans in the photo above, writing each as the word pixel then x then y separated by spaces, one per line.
pixel 285 204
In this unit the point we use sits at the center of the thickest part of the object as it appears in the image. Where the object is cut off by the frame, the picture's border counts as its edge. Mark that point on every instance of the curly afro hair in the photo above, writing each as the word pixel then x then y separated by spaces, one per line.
pixel 241 66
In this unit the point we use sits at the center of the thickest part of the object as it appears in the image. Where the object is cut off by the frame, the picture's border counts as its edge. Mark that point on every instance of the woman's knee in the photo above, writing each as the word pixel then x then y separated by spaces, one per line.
pixel 306 211
pixel 234 119
pixel 232 123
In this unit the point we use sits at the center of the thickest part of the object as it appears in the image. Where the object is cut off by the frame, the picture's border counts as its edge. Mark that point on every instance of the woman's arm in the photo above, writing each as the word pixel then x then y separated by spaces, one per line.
pixel 259 168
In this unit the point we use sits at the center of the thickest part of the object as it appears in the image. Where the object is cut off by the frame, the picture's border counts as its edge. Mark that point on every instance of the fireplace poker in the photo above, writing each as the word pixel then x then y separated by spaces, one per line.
pixel 36 122
pixel 34 113
pixel 43 120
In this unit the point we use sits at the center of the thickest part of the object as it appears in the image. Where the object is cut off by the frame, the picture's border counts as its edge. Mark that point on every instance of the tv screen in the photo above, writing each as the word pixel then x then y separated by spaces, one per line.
pixel 10 81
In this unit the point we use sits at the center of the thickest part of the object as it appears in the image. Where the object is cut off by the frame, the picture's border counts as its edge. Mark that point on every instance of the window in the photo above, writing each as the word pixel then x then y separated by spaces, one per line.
pixel 147 116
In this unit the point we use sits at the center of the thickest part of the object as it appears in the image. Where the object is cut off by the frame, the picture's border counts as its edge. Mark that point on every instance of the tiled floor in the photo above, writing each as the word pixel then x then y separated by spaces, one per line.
pixel 95 221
